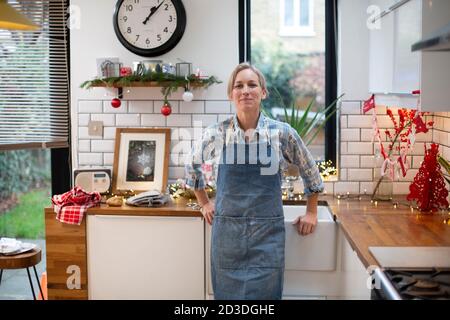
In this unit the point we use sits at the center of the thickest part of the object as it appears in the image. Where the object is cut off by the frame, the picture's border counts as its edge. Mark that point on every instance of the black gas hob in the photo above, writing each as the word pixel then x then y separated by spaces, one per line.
pixel 412 284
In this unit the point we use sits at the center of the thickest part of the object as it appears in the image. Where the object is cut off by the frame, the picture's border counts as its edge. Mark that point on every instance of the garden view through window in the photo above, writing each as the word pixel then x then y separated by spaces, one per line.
pixel 288 46
pixel 25 189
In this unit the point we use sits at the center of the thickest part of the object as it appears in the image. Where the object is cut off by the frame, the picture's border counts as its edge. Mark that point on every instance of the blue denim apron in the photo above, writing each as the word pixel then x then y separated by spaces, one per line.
pixel 248 235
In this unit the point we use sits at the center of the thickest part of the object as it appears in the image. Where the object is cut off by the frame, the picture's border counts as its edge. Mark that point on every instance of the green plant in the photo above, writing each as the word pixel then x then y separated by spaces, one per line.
pixel 22 170
pixel 308 127
pixel 446 166
pixel 279 66
pixel 26 220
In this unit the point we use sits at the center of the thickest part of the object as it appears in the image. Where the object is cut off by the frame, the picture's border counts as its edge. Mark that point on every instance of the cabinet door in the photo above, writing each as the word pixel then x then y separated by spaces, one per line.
pixel 435 65
pixel 408 30
pixel 66 258
pixel 354 277
pixel 393 68
pixel 133 257
pixel 381 50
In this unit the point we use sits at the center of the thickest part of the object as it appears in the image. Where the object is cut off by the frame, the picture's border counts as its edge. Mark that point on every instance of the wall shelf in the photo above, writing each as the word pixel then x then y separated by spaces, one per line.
pixel 140 84
pixel 167 85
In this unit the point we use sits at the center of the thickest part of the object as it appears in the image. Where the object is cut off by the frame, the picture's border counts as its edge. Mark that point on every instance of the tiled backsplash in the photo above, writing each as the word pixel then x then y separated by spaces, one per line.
pixel 356 156
pixel 441 132
pixel 99 150
pixel 356 150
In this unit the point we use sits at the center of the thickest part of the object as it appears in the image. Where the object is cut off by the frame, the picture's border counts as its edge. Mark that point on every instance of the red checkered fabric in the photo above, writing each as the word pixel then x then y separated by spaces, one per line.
pixel 71 206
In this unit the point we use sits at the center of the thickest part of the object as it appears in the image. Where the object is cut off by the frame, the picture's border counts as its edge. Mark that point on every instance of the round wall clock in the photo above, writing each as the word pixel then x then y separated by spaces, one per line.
pixel 149 28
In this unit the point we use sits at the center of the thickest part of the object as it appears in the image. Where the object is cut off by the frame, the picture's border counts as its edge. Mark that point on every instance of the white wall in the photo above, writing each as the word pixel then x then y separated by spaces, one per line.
pixel 210 42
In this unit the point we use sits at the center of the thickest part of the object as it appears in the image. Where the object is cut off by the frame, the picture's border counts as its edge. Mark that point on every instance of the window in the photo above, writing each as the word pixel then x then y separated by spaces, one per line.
pixel 297 18
pixel 301 69
pixel 34 85
pixel 34 127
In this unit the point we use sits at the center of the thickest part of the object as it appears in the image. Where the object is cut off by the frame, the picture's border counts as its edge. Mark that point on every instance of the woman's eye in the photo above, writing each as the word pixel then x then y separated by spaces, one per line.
pixel 238 86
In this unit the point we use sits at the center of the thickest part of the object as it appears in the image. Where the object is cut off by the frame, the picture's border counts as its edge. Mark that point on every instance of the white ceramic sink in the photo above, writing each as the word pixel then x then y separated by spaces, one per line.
pixel 316 251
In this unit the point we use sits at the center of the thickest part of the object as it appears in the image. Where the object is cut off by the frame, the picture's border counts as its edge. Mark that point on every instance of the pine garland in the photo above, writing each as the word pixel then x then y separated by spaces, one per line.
pixel 169 82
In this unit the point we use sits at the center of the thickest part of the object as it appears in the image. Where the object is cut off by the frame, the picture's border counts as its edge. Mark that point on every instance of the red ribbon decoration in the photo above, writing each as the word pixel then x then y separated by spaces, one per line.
pixel 369 104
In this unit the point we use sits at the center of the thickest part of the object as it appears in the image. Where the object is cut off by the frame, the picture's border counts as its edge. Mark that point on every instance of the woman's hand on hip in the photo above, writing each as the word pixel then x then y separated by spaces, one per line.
pixel 208 211
pixel 306 224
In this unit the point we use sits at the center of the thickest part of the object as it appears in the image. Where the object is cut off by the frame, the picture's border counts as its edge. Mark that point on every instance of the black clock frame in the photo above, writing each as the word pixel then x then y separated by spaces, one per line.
pixel 166 47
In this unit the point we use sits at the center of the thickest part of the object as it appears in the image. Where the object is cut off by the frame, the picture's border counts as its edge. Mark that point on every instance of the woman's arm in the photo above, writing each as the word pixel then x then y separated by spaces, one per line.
pixel 307 224
pixel 207 206
pixel 295 152
pixel 202 151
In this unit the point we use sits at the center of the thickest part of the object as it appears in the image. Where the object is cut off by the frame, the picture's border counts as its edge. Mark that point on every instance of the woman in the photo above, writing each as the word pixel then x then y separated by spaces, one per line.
pixel 250 152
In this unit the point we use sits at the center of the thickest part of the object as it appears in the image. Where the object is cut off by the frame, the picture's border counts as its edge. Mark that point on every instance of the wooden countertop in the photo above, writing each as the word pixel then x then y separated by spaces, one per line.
pixel 174 208
pixel 366 225
pixel 363 223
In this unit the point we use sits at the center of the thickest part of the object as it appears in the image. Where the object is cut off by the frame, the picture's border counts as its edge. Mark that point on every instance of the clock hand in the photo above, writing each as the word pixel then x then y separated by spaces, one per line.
pixel 152 12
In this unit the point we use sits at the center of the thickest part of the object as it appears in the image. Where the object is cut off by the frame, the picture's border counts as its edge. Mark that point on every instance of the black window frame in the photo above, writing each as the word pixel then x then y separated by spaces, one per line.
pixel 61 158
pixel 330 64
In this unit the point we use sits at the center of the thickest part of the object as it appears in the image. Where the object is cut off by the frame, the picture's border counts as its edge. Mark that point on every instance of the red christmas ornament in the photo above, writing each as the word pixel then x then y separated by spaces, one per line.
pixel 115 103
pixel 166 109
pixel 428 187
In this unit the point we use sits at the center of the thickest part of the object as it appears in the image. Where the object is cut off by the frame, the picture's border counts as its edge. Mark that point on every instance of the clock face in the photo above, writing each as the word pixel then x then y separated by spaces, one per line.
pixel 149 27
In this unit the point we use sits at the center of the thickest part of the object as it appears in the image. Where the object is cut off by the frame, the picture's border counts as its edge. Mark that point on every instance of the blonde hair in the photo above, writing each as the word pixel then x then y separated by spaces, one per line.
pixel 244 66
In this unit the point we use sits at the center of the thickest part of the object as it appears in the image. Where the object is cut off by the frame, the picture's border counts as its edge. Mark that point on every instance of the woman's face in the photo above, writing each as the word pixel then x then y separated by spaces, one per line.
pixel 247 92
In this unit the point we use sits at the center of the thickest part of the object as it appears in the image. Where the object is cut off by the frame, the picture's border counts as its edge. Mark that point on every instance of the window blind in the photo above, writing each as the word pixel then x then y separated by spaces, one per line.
pixel 34 79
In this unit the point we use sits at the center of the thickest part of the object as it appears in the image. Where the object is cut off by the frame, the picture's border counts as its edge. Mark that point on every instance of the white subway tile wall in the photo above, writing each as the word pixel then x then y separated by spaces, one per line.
pixel 140 106
pixel 130 120
pixel 356 149
pixel 186 121
pixel 107 108
pixel 441 134
pixel 356 158
pixel 217 107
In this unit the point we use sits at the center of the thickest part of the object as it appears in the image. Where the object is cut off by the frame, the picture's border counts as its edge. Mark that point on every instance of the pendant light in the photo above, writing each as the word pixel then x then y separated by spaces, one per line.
pixel 11 19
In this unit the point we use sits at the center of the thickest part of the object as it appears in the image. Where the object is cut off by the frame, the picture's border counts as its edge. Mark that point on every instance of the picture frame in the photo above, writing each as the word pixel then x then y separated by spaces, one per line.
pixel 141 160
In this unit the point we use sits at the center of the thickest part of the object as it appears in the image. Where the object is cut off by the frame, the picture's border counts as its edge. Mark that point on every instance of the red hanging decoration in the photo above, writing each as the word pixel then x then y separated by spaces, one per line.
pixel 428 187
pixel 166 109
pixel 420 125
pixel 369 104
pixel 116 103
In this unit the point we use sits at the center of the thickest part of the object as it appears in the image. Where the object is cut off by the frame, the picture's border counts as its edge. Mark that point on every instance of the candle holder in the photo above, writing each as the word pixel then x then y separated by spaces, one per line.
pixel 183 69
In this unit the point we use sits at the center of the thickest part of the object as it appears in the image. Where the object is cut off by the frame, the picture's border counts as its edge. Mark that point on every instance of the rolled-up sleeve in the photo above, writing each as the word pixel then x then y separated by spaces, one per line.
pixel 201 152
pixel 296 153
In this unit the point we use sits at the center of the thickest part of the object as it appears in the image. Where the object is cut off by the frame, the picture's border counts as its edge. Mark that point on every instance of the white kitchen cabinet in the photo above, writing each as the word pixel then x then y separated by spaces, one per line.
pixel 435 72
pixel 145 257
pixel 347 281
pixel 381 48
pixel 407 30
pixel 395 70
